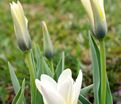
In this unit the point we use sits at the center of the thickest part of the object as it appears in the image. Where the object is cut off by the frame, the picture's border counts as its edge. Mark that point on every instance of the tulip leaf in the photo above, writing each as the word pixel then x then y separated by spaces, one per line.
pixel 108 94
pixel 19 98
pixel 79 102
pixel 14 79
pixel 45 68
pixel 60 66
pixel 38 60
pixel 96 68
pixel 86 90
pixel 16 97
pixel 39 98
pixel 83 100
pixel 97 72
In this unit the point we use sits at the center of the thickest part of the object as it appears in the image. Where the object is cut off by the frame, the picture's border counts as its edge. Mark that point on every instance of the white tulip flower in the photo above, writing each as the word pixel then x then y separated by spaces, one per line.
pixel 20 26
pixel 65 91
pixel 96 14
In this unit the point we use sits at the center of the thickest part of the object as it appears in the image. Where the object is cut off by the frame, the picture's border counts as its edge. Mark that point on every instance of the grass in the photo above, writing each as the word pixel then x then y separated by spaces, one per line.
pixel 66 19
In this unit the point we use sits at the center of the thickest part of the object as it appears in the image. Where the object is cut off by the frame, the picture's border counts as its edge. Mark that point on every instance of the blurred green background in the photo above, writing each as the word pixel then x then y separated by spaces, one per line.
pixel 68 26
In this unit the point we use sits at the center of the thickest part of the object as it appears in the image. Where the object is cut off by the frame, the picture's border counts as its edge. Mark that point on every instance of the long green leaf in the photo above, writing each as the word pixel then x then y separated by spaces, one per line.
pixel 14 79
pixel 45 68
pixel 60 66
pixel 16 97
pixel 83 100
pixel 109 99
pixel 96 68
pixel 86 90
pixel 108 92
pixel 79 102
pixel 38 61
pixel 19 98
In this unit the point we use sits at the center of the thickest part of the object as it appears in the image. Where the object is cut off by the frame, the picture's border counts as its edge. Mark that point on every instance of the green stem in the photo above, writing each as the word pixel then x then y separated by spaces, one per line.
pixel 52 67
pixel 103 71
pixel 30 66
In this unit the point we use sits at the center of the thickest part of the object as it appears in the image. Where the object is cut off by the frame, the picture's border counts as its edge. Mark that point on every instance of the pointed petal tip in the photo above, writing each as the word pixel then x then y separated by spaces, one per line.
pixel 67 70
pixel 43 22
pixel 43 76
pixel 37 81
pixel 80 72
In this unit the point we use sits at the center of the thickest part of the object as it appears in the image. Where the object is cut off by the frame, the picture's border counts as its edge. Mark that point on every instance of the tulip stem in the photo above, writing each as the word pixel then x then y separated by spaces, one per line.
pixel 103 71
pixel 52 66
pixel 29 63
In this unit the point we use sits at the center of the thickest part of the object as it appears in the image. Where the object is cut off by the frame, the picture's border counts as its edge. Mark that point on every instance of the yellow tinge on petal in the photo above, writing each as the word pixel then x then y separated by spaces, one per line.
pixel 100 24
pixel 100 8
pixel 96 14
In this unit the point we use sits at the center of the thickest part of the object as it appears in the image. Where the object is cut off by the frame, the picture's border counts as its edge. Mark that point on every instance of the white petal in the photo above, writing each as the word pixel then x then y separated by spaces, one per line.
pixel 64 75
pixel 48 81
pixel 98 8
pixel 101 2
pixel 88 8
pixel 50 96
pixel 38 85
pixel 77 87
pixel 65 89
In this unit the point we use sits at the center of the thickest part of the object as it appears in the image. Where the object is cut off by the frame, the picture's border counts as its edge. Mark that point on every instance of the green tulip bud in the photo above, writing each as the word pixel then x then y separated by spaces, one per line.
pixel 48 47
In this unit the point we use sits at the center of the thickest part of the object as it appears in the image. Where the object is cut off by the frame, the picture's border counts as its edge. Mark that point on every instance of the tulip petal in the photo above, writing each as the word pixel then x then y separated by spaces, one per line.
pixel 88 8
pixel 100 23
pixel 65 89
pixel 98 8
pixel 64 75
pixel 49 81
pixel 50 96
pixel 20 26
pixel 77 87
pixel 38 85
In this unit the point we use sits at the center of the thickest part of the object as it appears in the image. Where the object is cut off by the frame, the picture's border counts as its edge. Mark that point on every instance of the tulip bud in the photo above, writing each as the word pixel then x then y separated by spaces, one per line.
pixel 20 26
pixel 48 47
pixel 96 14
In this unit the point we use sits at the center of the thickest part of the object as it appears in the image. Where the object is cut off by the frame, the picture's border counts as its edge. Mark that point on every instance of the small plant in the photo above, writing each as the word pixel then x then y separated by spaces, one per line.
pixel 56 85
